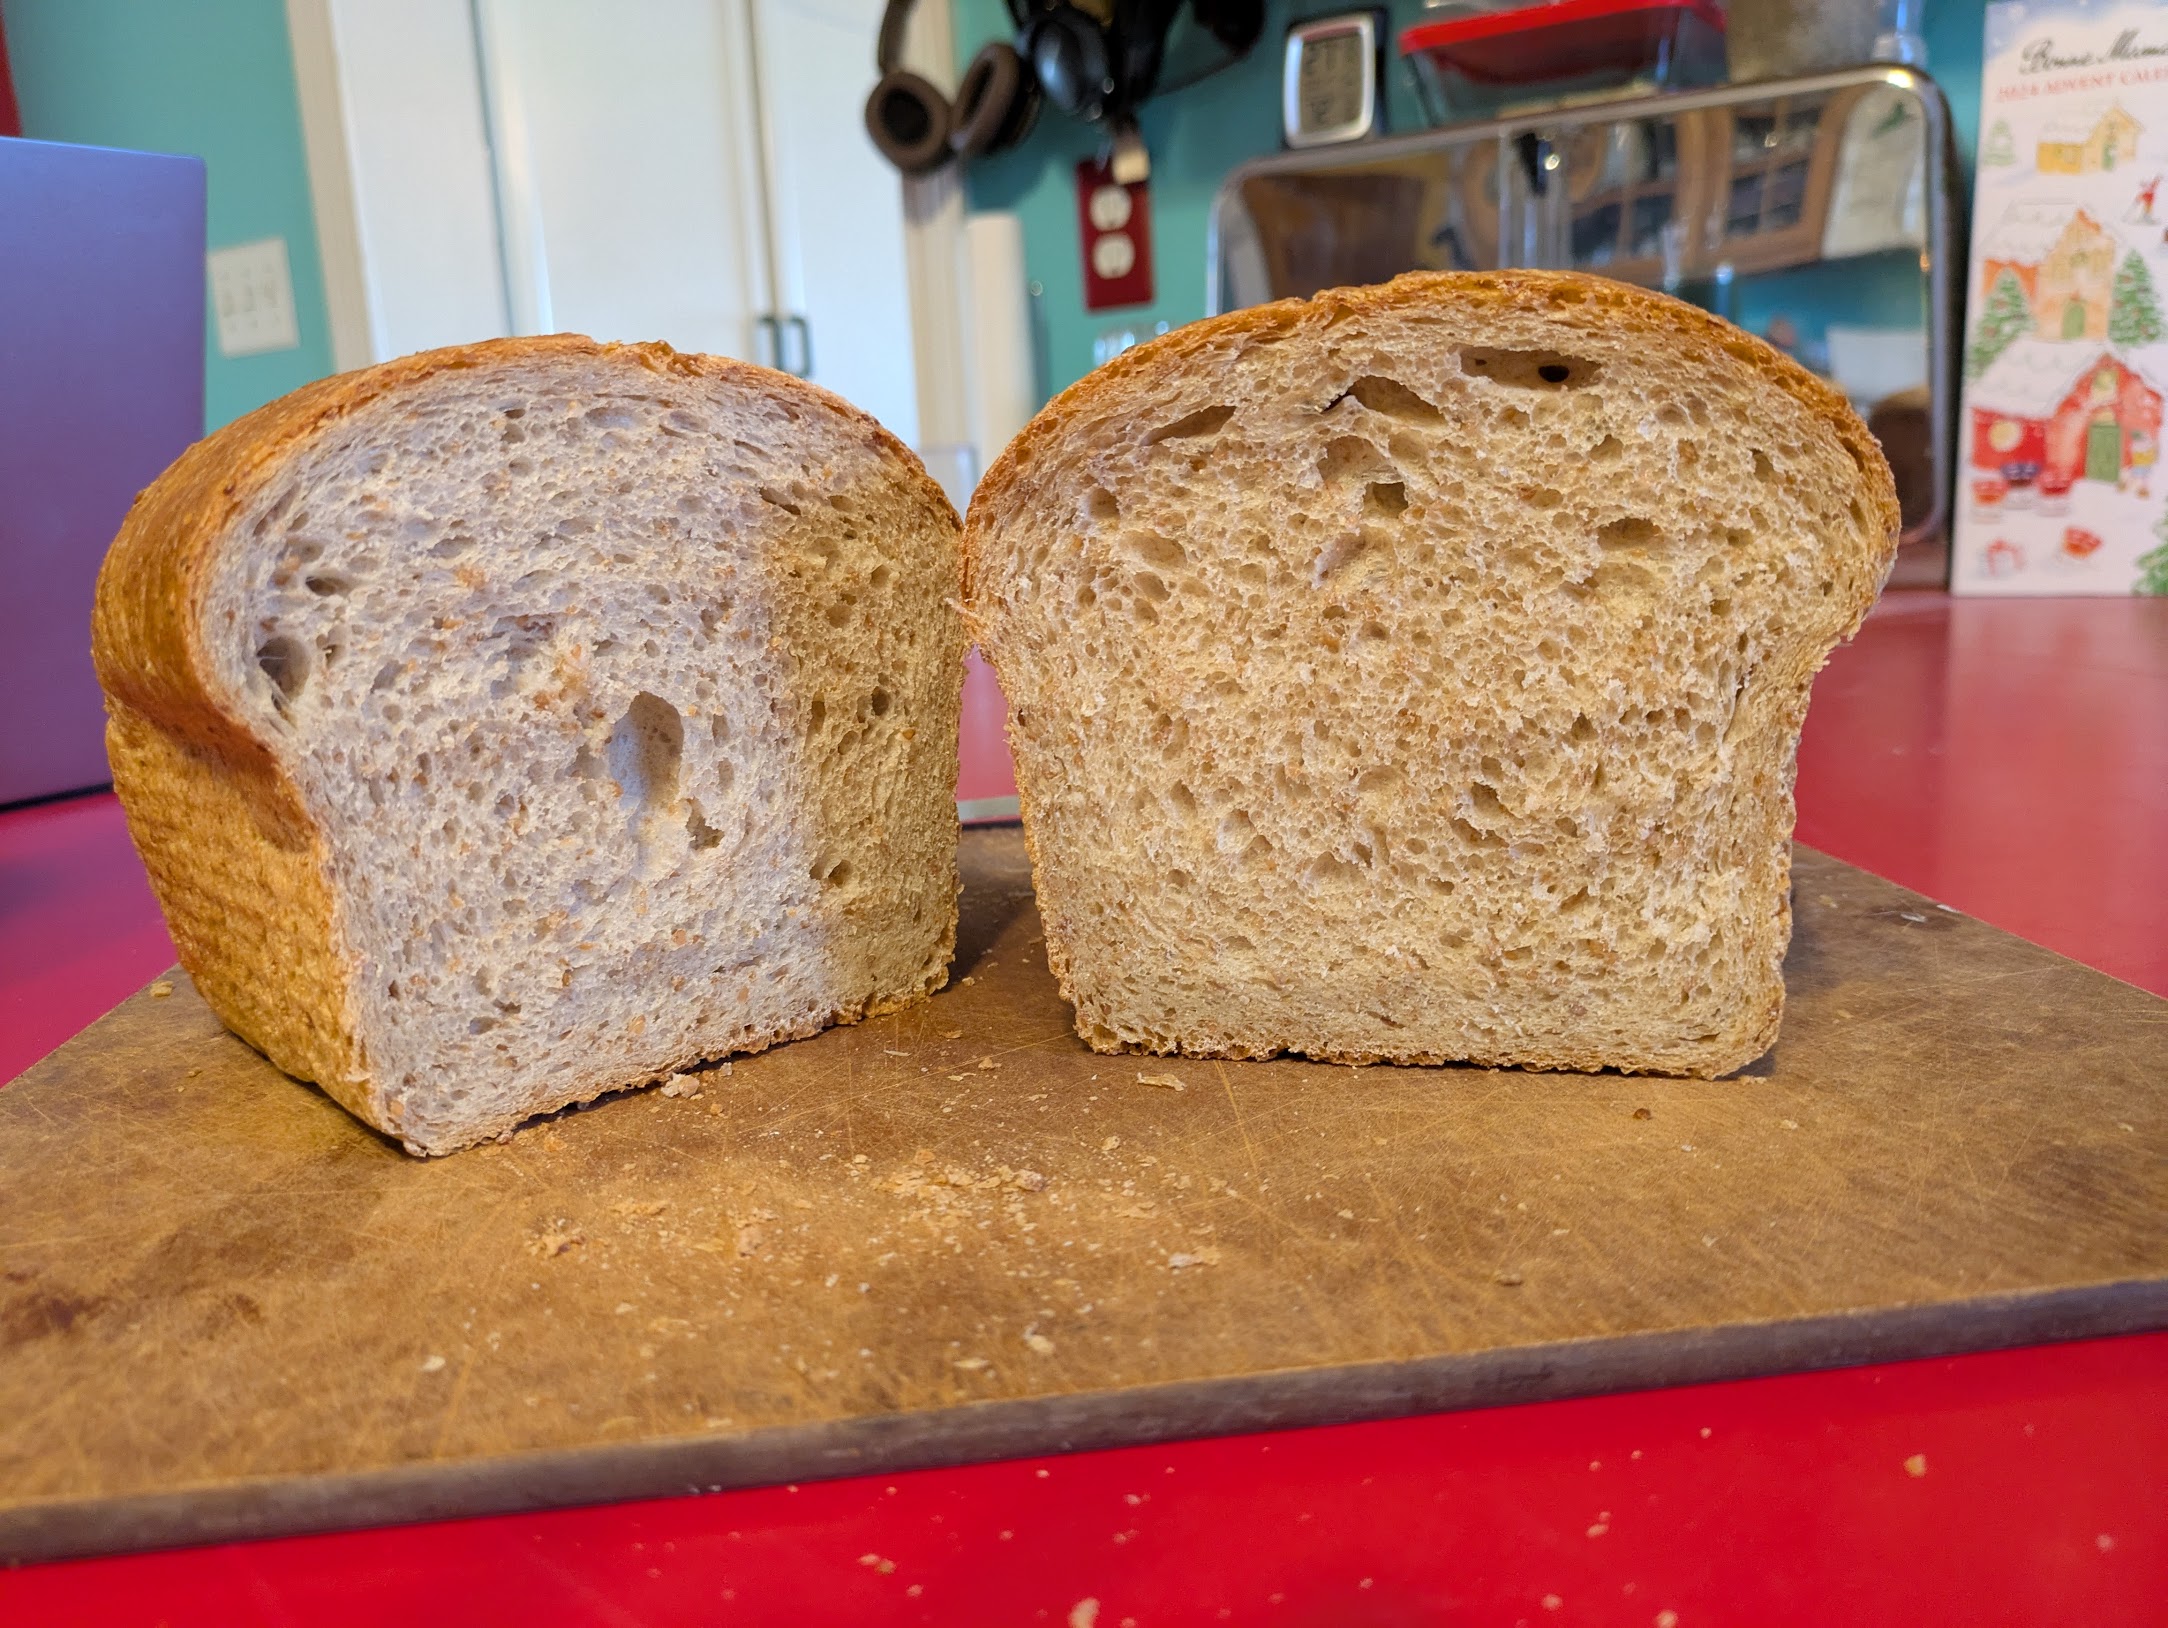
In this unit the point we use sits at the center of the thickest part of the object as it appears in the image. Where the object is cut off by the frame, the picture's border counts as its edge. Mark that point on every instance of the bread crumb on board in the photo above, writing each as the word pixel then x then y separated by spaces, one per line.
pixel 161 989
pixel 1916 1465
pixel 555 1239
pixel 1168 1081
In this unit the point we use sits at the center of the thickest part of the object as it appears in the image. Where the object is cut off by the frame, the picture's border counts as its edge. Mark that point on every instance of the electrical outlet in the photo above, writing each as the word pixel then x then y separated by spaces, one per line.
pixel 1114 225
pixel 252 294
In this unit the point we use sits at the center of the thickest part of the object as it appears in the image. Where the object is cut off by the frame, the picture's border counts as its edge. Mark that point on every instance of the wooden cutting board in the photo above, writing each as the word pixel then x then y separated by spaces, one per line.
pixel 226 1309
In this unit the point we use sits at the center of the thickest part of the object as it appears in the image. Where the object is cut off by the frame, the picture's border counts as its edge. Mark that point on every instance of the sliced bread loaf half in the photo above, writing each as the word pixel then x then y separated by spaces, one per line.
pixel 1416 672
pixel 512 723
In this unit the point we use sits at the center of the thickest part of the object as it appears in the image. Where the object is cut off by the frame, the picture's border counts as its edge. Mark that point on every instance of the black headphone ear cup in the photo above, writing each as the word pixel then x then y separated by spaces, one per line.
pixel 997 103
pixel 1067 51
pixel 908 120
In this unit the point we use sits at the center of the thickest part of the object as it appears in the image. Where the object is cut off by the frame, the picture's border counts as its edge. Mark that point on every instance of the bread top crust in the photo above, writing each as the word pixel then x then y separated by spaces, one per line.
pixel 1572 298
pixel 146 622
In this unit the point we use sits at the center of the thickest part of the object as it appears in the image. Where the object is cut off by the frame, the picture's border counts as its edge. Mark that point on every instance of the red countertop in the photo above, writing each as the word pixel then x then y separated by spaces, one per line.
pixel 2008 758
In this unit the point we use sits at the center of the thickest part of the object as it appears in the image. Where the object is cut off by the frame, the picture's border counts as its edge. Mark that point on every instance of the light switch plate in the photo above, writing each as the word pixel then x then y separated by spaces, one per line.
pixel 252 293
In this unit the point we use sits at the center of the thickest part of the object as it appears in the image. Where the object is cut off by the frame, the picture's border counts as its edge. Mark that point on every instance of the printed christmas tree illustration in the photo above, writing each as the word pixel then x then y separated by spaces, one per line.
pixel 2000 148
pixel 2133 308
pixel 2007 316
pixel 2153 567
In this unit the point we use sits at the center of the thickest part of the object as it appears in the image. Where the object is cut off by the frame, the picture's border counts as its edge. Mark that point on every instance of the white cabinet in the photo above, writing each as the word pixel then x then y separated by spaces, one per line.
pixel 836 206
pixel 694 171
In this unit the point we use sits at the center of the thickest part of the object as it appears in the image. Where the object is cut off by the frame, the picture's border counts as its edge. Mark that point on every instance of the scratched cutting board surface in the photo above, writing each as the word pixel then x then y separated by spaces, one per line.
pixel 952 1233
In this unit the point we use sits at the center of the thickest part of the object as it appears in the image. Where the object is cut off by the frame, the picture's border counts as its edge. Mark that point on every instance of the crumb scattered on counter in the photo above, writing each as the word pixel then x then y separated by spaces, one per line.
pixel 161 989
pixel 1168 1081
pixel 1916 1465
pixel 555 1239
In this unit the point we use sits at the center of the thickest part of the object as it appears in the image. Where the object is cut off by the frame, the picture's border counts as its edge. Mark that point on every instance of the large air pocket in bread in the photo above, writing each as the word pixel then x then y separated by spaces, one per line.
pixel 511 723
pixel 1416 672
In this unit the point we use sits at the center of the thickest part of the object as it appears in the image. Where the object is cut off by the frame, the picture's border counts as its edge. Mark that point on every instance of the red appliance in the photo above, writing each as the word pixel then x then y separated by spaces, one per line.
pixel 1473 67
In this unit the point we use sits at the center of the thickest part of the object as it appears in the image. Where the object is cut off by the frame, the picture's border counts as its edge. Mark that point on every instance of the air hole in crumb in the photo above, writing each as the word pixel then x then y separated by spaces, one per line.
pixel 1474 836
pixel 326 583
pixel 610 418
pixel 832 872
pixel 1764 470
pixel 1386 497
pixel 1388 398
pixel 770 495
pixel 644 751
pixel 1630 531
pixel 1204 421
pixel 1346 455
pixel 1529 369
pixel 704 835
pixel 880 701
pixel 816 715
pixel 1154 550
pixel 1606 451
pixel 285 662
pixel 1101 504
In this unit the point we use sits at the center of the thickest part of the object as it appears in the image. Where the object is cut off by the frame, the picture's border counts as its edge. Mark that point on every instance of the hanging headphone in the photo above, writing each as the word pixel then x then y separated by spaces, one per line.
pixel 918 130
pixel 1099 59
pixel 1092 59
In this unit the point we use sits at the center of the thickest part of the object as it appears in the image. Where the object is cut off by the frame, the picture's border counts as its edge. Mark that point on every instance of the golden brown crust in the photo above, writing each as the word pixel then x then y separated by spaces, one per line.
pixel 240 869
pixel 1569 297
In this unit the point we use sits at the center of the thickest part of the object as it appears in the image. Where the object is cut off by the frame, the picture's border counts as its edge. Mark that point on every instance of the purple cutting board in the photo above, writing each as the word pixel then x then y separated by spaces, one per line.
pixel 101 386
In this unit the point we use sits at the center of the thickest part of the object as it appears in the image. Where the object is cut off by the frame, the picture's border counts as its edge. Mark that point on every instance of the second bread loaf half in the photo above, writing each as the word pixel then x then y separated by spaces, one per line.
pixel 517 722
pixel 1416 672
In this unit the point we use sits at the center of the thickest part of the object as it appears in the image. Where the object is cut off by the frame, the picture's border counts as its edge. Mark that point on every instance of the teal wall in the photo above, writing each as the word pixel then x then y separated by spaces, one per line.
pixel 1196 136
pixel 214 78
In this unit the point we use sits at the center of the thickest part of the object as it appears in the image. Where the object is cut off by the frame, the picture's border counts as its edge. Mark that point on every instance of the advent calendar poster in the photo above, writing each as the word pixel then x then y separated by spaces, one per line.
pixel 2060 488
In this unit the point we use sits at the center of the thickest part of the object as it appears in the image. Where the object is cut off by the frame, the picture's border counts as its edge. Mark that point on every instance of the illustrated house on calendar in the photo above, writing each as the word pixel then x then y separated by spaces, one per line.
pixel 2060 411
pixel 2062 258
pixel 2096 137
